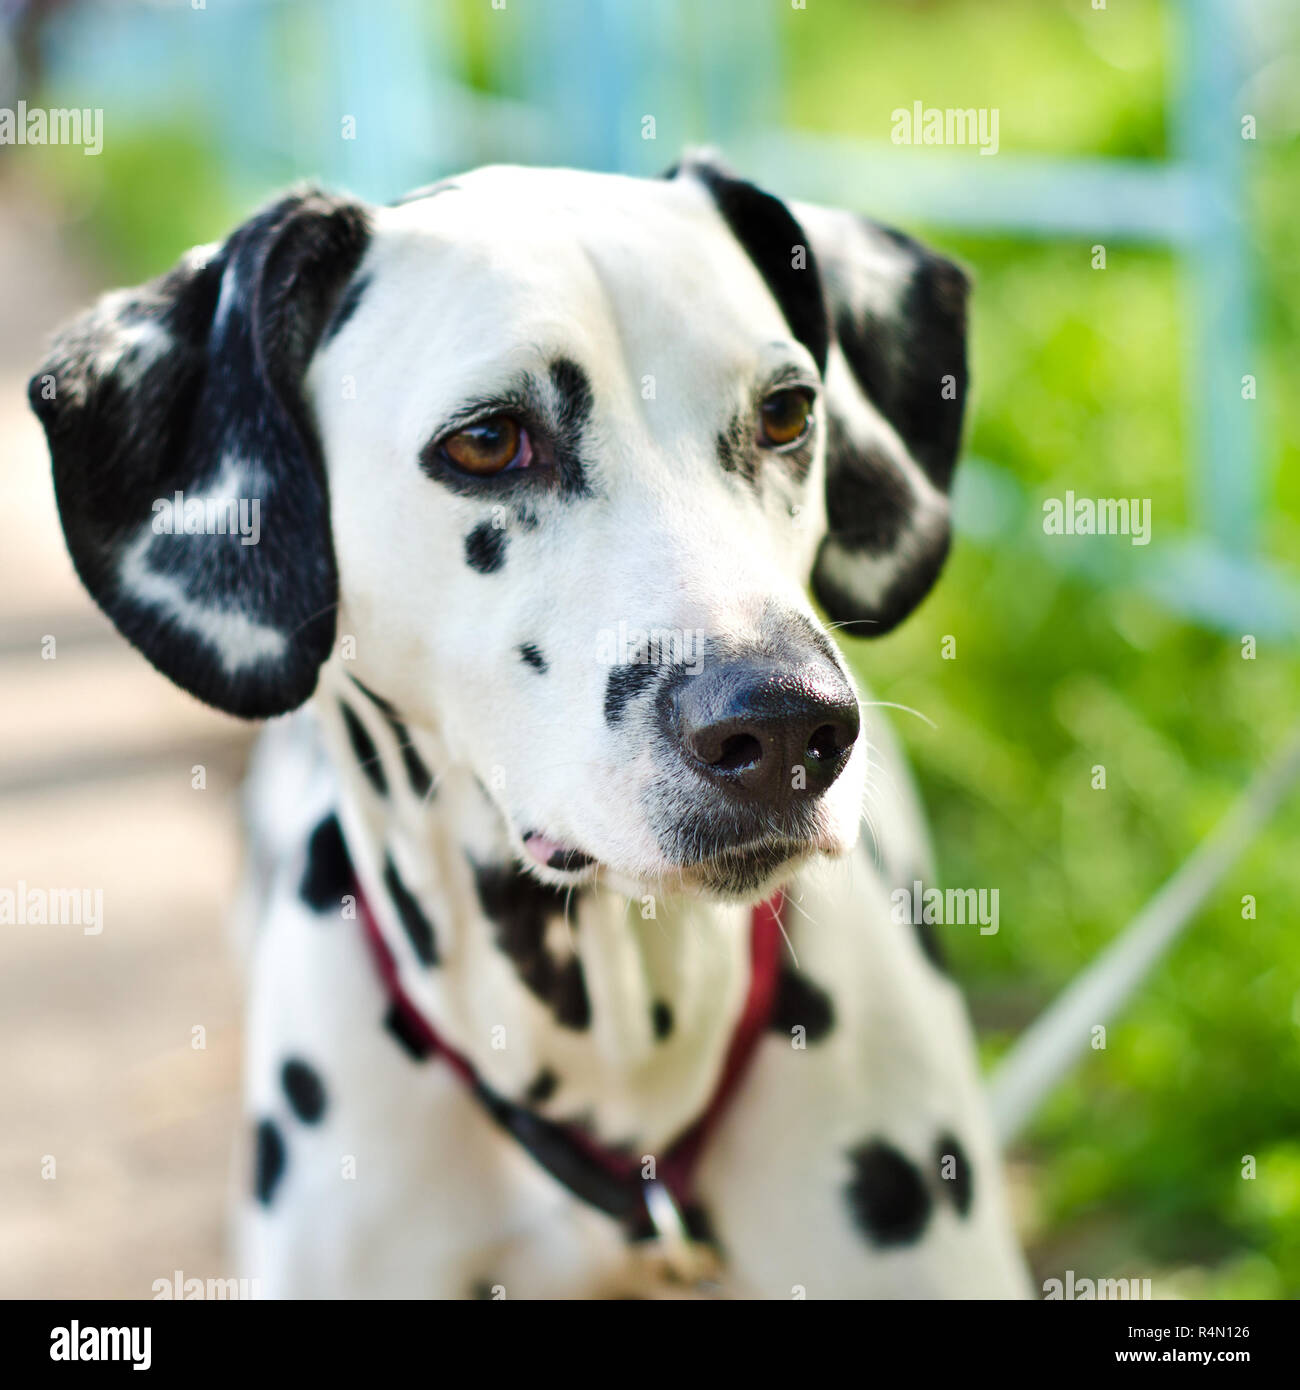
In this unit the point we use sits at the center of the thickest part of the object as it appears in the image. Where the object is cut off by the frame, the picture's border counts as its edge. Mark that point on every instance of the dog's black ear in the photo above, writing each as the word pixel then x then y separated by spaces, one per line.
pixel 187 468
pixel 885 319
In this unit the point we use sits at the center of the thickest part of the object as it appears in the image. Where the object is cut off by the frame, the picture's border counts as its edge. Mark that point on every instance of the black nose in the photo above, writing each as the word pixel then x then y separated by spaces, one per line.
pixel 765 732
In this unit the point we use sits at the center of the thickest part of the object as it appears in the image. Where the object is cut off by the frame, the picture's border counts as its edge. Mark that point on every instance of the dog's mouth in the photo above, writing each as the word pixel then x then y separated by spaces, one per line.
pixel 559 858
pixel 748 871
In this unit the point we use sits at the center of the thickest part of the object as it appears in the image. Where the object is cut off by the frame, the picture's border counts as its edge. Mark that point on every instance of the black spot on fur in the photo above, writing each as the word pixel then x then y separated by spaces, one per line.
pixel 375 699
pixel 268 1161
pixel 419 776
pixel 520 908
pixel 625 683
pixel 407 1036
pixel 305 1089
pixel 532 657
pixel 347 306
pixel 485 548
pixel 661 1018
pixel 575 399
pixel 569 997
pixel 867 493
pixel 542 1087
pixel 960 1187
pixel 736 453
pixel 419 929
pixel 887 1195
pixel 328 874
pixel 363 746
pixel 800 1002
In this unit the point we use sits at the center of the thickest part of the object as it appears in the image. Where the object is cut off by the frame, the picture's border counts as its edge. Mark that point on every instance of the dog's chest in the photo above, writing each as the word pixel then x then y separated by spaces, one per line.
pixel 378 1169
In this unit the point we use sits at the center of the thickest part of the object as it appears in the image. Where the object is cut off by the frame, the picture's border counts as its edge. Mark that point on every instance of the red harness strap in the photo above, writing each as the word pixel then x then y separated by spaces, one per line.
pixel 605 1177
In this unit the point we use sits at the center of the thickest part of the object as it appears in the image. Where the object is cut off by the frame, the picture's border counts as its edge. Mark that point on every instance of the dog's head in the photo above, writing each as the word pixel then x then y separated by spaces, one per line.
pixel 559 453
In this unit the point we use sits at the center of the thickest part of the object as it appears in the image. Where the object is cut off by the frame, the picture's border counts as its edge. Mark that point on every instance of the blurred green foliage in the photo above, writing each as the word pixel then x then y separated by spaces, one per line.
pixel 1136 1167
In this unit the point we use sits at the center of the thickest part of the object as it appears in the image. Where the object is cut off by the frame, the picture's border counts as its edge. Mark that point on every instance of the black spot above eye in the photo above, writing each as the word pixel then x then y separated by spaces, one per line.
pixel 801 1003
pixel 363 746
pixel 531 656
pixel 305 1090
pixel 625 683
pixel 887 1194
pixel 328 874
pixel 661 1018
pixel 485 548
pixel 419 929
pixel 956 1175
pixel 573 389
pixel 268 1161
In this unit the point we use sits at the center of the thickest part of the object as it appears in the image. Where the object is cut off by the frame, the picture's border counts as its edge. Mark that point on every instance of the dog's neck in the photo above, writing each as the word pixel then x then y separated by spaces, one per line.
pixel 583 1003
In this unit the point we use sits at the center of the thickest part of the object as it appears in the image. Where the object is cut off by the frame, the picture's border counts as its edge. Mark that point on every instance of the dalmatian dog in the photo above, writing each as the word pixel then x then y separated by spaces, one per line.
pixel 574 967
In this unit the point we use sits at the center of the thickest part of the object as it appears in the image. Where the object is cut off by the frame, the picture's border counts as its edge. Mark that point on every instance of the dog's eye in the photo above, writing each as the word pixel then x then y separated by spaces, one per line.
pixel 490 446
pixel 785 418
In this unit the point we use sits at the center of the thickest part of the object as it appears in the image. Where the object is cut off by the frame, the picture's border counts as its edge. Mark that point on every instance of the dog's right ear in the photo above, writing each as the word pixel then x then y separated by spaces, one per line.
pixel 187 469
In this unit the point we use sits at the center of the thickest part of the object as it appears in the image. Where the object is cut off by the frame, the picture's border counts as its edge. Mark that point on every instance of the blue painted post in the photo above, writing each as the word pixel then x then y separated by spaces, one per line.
pixel 1226 478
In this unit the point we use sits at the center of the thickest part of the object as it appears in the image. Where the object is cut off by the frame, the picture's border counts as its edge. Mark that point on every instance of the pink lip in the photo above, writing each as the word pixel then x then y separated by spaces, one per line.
pixel 553 855
pixel 542 849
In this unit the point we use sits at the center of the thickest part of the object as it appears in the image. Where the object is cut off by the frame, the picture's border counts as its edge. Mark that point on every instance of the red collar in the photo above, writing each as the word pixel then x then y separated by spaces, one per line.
pixel 604 1177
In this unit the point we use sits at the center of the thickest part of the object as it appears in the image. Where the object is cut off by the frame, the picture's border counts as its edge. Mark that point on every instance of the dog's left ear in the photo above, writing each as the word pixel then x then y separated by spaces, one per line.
pixel 885 320
pixel 187 468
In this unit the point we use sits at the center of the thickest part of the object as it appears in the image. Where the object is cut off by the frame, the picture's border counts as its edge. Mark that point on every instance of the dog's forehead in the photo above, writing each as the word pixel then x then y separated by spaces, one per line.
pixel 545 251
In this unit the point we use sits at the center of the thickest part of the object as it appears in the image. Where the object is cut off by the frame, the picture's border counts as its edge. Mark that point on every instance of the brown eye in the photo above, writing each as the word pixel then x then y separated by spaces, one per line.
pixel 490 446
pixel 786 416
